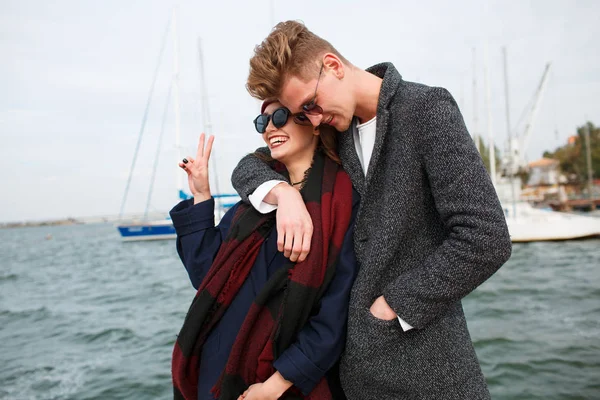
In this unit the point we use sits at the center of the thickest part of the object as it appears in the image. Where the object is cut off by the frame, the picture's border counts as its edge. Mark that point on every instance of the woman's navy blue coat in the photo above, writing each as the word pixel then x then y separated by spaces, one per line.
pixel 321 341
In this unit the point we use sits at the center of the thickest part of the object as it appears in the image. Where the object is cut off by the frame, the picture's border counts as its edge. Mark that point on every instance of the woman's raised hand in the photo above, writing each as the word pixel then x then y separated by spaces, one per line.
pixel 197 170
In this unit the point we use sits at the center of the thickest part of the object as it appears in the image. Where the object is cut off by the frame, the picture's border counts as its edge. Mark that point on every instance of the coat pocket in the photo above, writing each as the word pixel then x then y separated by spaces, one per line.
pixel 370 361
pixel 384 326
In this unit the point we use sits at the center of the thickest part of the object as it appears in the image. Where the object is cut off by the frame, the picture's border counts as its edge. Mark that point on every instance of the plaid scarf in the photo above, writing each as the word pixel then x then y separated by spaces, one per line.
pixel 285 303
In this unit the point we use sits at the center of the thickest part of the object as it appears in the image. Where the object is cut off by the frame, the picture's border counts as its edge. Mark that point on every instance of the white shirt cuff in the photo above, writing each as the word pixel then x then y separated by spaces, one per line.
pixel 257 197
pixel 405 325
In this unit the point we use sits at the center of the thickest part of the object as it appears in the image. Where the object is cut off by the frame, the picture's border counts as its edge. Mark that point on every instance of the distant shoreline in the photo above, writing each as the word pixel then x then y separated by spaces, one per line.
pixel 84 220
pixel 68 221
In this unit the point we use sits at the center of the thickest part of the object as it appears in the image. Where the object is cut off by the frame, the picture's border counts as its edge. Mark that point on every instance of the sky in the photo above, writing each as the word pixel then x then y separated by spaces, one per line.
pixel 75 78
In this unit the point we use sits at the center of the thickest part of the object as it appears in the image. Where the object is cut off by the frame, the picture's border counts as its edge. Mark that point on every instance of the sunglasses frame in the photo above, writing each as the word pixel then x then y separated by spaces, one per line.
pixel 311 107
pixel 269 117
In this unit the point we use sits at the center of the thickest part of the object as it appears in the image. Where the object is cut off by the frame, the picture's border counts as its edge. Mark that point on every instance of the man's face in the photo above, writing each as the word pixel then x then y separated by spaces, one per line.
pixel 328 93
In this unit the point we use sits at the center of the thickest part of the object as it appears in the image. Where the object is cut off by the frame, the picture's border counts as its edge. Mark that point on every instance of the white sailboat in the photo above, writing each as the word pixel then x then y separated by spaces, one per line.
pixel 146 229
pixel 526 223
pixel 535 225
pixel 529 224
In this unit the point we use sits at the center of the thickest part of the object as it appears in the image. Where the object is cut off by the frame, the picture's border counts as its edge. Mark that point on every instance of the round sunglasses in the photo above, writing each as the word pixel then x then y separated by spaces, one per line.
pixel 280 118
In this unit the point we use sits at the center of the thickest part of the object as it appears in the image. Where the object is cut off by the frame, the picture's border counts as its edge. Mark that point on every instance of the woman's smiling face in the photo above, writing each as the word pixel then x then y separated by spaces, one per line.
pixel 291 141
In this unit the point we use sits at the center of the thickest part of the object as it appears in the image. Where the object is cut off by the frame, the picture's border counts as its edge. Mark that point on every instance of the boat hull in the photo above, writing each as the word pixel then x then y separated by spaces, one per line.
pixel 535 225
pixel 151 230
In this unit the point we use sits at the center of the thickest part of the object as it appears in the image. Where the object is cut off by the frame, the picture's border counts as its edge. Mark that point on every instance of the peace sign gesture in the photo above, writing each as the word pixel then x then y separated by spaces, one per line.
pixel 197 170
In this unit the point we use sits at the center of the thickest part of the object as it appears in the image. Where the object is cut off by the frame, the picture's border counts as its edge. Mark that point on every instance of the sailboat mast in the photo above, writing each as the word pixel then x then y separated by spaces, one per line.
pixel 207 122
pixel 488 102
pixel 588 157
pixel 475 118
pixel 511 163
pixel 178 175
pixel 157 154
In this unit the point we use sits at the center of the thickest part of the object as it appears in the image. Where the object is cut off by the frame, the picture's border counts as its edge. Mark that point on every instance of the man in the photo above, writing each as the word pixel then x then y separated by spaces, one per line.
pixel 430 228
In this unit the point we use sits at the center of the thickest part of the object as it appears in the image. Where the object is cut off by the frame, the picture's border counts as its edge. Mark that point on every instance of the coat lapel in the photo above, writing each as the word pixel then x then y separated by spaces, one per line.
pixel 347 149
pixel 389 86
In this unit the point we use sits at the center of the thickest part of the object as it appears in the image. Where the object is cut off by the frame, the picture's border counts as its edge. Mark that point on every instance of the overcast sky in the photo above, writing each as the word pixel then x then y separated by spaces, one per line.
pixel 75 77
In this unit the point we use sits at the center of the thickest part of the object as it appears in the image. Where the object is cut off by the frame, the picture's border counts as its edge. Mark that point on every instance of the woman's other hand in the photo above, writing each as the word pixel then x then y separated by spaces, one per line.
pixel 258 391
pixel 272 389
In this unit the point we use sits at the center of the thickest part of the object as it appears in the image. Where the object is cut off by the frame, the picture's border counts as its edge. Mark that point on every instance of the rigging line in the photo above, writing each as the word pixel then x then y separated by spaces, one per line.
pixel 145 117
pixel 524 113
pixel 553 103
pixel 162 131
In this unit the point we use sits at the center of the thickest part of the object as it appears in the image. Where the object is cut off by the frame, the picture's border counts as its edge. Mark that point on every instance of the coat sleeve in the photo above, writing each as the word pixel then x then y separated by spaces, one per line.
pixel 477 241
pixel 320 343
pixel 198 239
pixel 251 172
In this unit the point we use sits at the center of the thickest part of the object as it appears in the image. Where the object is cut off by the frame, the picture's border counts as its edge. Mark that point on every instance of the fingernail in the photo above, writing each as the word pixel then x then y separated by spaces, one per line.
pixel 185 161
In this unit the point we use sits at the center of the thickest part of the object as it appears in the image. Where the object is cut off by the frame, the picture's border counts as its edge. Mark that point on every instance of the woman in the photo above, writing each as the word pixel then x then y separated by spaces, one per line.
pixel 260 326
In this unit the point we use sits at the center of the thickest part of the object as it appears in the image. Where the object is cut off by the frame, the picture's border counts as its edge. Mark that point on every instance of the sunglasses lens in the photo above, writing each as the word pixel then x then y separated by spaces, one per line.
pixel 280 117
pixel 302 119
pixel 261 123
pixel 313 109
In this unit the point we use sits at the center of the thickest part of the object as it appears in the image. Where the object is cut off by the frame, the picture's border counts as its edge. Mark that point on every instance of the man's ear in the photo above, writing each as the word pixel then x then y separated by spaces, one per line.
pixel 332 63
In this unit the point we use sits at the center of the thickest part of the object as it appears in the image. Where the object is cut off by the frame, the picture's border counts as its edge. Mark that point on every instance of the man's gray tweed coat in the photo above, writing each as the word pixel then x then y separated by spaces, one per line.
pixel 430 229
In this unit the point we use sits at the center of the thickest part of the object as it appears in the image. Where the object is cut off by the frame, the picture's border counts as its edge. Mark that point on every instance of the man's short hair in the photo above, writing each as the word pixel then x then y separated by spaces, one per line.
pixel 289 50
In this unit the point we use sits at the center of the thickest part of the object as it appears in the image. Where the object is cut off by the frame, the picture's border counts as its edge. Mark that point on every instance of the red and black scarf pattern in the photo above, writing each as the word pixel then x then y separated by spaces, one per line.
pixel 285 303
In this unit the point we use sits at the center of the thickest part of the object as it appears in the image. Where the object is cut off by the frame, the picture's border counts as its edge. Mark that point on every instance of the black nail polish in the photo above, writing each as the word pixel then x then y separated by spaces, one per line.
pixel 185 161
